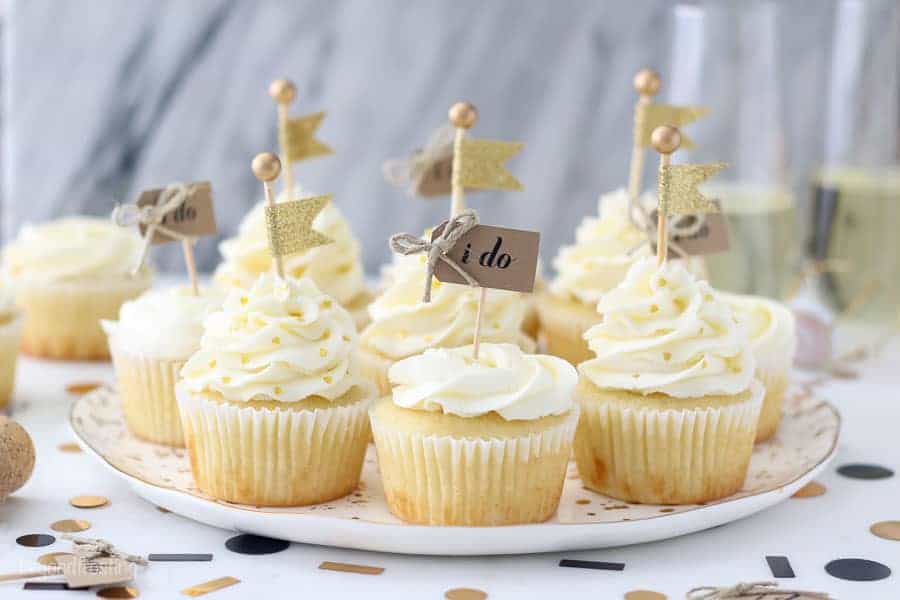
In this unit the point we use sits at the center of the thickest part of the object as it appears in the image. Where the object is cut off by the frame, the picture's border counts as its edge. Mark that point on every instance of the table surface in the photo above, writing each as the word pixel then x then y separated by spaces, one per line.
pixel 810 532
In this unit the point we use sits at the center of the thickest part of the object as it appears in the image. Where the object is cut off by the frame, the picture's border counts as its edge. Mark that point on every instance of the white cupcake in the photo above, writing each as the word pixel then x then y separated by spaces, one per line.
pixel 273 409
pixel 10 338
pixel 154 336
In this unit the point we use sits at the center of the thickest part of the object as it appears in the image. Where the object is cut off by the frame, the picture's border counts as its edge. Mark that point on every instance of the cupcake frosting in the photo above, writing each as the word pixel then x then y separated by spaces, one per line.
pixel 664 331
pixel 502 379
pixel 771 328
pixel 335 268
pixel 403 325
pixel 164 323
pixel 281 340
pixel 72 249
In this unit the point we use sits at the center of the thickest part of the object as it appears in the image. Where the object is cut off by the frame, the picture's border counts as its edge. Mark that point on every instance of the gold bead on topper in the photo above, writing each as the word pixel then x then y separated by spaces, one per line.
pixel 266 166
pixel 646 82
pixel 463 115
pixel 666 139
pixel 283 91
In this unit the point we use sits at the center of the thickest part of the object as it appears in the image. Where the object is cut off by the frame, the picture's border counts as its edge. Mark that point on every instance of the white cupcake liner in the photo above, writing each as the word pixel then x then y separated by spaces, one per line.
pixel 444 480
pixel 274 457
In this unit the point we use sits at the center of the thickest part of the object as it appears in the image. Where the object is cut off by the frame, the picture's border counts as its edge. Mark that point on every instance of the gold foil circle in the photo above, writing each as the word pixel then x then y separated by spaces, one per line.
pixel 118 591
pixel 810 490
pixel 71 525
pixel 644 595
pixel 49 559
pixel 465 594
pixel 89 501
pixel 80 388
pixel 69 447
pixel 887 530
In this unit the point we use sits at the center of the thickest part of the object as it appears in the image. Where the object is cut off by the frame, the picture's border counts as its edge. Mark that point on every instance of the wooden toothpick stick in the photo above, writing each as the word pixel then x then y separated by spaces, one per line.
pixel 665 140
pixel 266 167
pixel 463 116
pixel 647 83
pixel 283 92
pixel 187 245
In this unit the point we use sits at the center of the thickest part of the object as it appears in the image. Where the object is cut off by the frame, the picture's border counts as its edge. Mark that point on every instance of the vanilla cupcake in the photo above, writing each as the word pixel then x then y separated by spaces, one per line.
pixel 154 336
pixel 403 326
pixel 669 405
pixel 68 275
pixel 335 268
pixel 10 337
pixel 273 410
pixel 605 248
pixel 486 441
pixel 773 340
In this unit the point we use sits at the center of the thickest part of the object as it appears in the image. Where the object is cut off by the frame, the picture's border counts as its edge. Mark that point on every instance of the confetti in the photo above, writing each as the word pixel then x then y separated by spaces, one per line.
pixel 592 564
pixel 82 388
pixel 35 540
pixel 857 569
pixel 89 501
pixel 69 447
pixel 465 594
pixel 888 530
pixel 210 586
pixel 49 560
pixel 780 567
pixel 71 526
pixel 179 557
pixel 810 490
pixel 644 595
pixel 350 568
pixel 118 592
pixel 247 543
pixel 865 471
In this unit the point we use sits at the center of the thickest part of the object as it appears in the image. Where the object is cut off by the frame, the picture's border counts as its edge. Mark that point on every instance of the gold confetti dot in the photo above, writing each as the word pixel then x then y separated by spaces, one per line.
pixel 667 356
pixel 69 447
pixel 226 379
pixel 351 568
pixel 327 379
pixel 326 304
pixel 888 530
pixel 644 595
pixel 82 388
pixel 71 525
pixel 323 352
pixel 210 586
pixel 465 594
pixel 583 501
pixel 118 592
pixel 244 300
pixel 654 308
pixel 346 338
pixel 327 334
pixel 212 364
pixel 276 340
pixel 49 560
pixel 89 501
pixel 279 390
pixel 810 490
pixel 245 359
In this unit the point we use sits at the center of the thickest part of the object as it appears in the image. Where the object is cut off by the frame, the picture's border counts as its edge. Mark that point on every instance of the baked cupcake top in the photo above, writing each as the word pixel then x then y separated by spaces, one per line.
pixel 503 379
pixel 165 323
pixel 72 249
pixel 335 268
pixel 599 259
pixel 402 325
pixel 665 331
pixel 770 326
pixel 281 340
pixel 8 309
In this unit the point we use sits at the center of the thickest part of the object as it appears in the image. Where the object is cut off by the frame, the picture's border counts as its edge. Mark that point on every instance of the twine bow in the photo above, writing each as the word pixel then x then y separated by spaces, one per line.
pixel 151 217
pixel 759 590
pixel 89 548
pixel 683 226
pixel 437 249
pixel 403 171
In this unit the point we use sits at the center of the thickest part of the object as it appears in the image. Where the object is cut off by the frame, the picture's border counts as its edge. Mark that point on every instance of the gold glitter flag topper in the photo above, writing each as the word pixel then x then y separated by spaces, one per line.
pixel 648 117
pixel 290 225
pixel 481 164
pixel 678 191
pixel 299 138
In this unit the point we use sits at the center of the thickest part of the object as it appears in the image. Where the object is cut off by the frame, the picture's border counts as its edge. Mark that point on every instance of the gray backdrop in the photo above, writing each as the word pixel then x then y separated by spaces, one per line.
pixel 103 98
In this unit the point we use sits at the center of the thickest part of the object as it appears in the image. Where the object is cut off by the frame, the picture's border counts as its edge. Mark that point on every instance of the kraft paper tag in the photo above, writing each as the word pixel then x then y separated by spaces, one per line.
pixel 195 217
pixel 710 239
pixel 497 257
pixel 86 572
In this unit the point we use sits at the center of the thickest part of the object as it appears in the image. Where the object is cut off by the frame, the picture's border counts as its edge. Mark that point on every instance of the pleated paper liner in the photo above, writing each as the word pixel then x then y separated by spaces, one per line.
pixel 807 436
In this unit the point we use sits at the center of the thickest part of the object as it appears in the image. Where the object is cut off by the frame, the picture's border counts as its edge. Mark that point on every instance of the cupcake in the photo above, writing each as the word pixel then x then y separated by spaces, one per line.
pixel 605 248
pixel 335 268
pixel 403 326
pixel 10 337
pixel 773 340
pixel 68 275
pixel 154 336
pixel 274 412
pixel 486 441
pixel 669 404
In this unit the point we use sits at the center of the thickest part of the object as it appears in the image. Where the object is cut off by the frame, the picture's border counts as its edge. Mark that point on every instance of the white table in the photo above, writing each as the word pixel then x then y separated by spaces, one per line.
pixel 810 532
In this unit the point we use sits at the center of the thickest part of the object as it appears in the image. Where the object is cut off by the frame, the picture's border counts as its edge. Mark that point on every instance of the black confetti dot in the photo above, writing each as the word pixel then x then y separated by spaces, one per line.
pixel 865 471
pixel 592 564
pixel 857 569
pixel 35 540
pixel 247 543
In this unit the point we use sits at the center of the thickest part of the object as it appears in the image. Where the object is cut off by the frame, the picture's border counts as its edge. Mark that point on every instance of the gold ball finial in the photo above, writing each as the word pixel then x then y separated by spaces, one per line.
pixel 665 139
pixel 266 166
pixel 283 91
pixel 646 82
pixel 463 114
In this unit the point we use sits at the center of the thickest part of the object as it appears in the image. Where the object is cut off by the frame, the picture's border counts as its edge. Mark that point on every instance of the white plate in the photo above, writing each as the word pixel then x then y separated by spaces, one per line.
pixel 804 445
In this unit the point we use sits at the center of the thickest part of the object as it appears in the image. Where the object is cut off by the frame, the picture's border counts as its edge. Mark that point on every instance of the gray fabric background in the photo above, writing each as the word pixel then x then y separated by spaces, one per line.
pixel 103 98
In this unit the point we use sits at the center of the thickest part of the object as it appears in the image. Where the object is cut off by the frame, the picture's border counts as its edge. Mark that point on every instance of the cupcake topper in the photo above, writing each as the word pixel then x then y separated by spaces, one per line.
pixel 678 193
pixel 462 251
pixel 427 171
pixel 649 116
pixel 288 224
pixel 296 136
pixel 179 212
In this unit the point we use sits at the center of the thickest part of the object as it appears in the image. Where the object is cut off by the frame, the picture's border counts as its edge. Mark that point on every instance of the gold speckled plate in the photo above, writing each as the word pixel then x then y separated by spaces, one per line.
pixel 804 444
